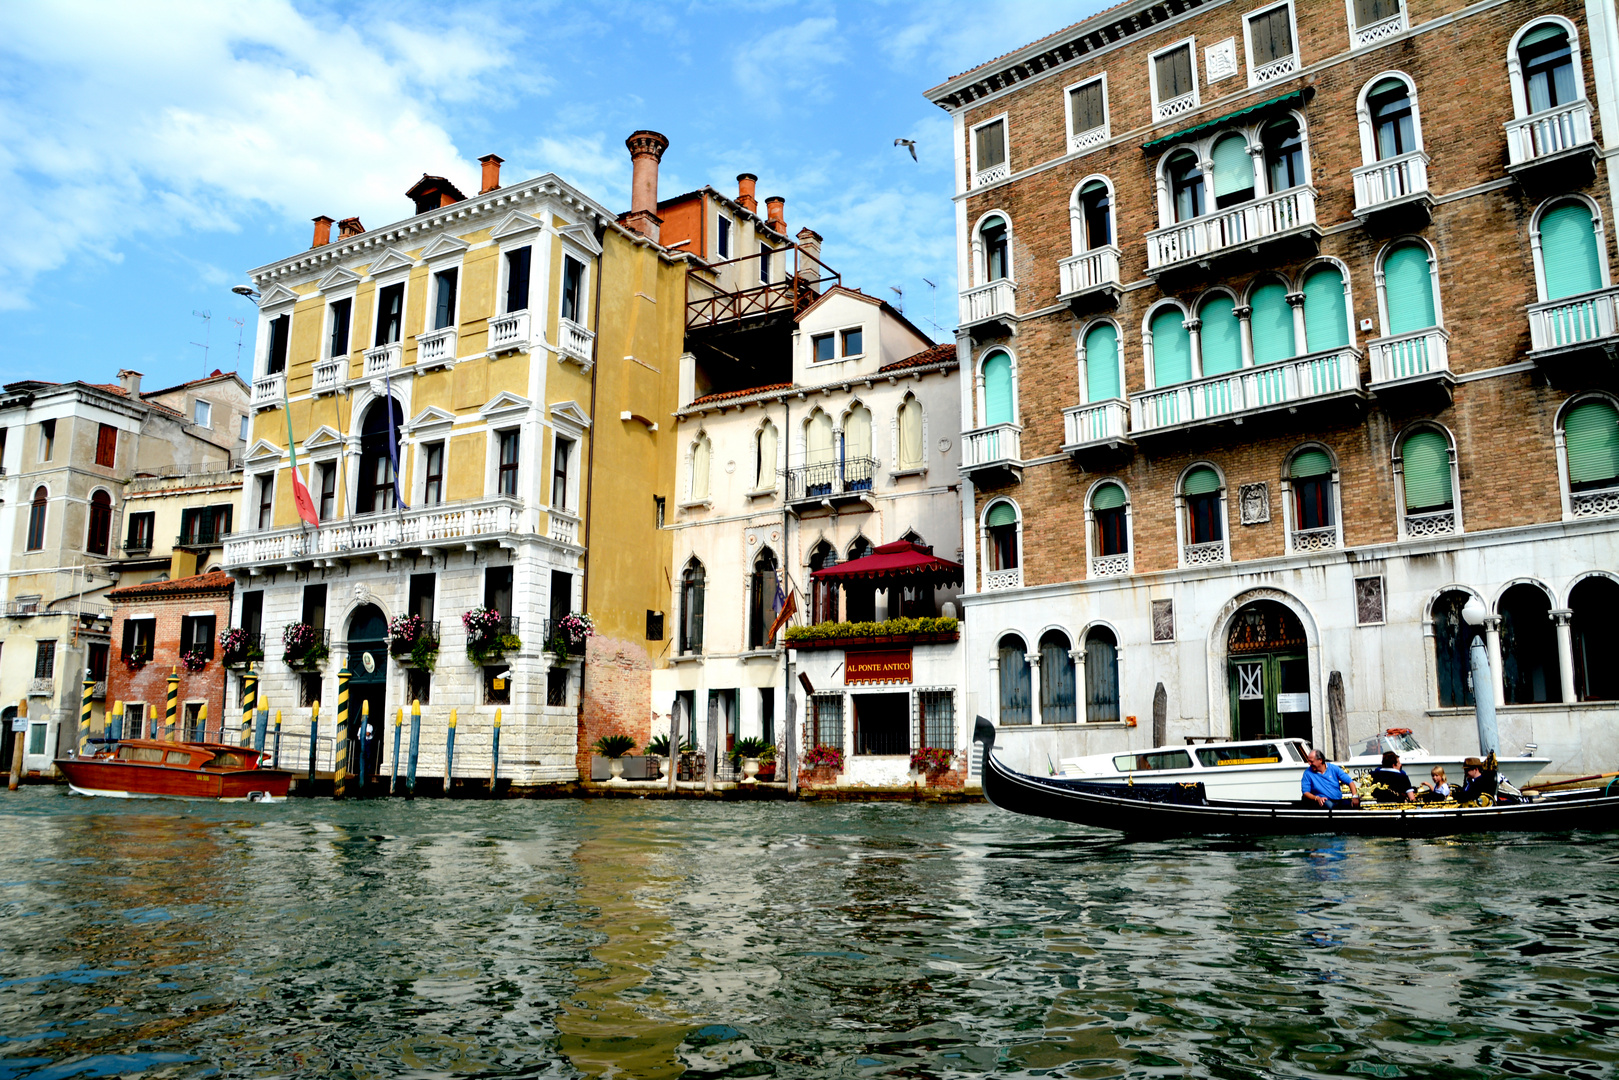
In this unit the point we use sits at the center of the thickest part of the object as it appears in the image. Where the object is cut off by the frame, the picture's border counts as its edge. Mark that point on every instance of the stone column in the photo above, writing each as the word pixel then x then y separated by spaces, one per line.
pixel 1492 640
pixel 1078 657
pixel 1245 333
pixel 1194 331
pixel 1301 345
pixel 1034 689
pixel 995 689
pixel 1563 617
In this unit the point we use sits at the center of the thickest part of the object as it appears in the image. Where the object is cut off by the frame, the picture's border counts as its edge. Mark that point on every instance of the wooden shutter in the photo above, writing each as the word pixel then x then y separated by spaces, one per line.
pixel 1002 513
pixel 1591 436
pixel 1102 363
pixel 1174 71
pixel 1426 457
pixel 1101 678
pixel 1272 324
pixel 107 446
pixel 1233 168
pixel 1568 251
pixel 1202 481
pixel 128 645
pixel 1107 497
pixel 1326 320
pixel 1270 36
pixel 697 592
pixel 911 453
pixel 1311 463
pixel 1086 107
pixel 991 144
pixel 1368 12
pixel 998 389
pixel 1408 289
pixel 1171 348
pixel 1221 337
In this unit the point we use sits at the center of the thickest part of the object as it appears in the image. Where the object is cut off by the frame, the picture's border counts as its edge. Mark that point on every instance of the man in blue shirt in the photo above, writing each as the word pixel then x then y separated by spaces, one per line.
pixel 1322 785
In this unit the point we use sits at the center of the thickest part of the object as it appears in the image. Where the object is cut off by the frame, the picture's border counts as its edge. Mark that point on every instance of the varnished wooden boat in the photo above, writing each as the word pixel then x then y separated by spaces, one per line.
pixel 1186 810
pixel 154 769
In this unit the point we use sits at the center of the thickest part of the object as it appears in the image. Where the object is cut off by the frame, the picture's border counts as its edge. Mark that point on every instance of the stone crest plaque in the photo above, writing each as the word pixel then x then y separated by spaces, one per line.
pixel 1254 502
pixel 1220 60
pixel 1163 620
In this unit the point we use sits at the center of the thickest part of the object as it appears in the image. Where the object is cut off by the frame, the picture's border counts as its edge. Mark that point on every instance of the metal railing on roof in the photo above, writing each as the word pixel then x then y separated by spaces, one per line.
pixel 709 302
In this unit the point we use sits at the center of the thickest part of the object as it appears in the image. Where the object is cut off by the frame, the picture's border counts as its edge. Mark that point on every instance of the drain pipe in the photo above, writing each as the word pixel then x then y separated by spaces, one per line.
pixel 789 705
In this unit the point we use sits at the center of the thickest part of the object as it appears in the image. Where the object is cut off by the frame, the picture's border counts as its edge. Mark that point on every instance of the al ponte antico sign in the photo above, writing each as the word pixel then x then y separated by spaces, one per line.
pixel 877 666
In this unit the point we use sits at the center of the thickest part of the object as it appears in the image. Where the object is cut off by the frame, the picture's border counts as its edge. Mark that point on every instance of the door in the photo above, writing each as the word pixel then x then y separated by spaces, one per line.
pixel 368 690
pixel 1268 673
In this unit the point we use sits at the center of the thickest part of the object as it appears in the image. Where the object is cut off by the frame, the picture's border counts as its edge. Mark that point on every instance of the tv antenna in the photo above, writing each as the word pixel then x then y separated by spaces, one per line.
pixel 935 320
pixel 899 297
pixel 207 329
pixel 238 323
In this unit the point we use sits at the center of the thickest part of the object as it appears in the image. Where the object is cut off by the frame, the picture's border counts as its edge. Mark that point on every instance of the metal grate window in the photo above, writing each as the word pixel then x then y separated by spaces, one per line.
pixel 826 723
pixel 936 718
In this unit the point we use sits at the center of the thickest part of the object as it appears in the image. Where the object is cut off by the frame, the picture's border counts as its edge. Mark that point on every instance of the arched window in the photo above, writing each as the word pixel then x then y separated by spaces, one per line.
pixel 36 519
pixel 1570 257
pixel 1408 289
pixel 1014 672
pixel 860 598
pixel 992 234
pixel 1591 448
pixel 1056 679
pixel 692 580
pixel 100 531
pixel 858 464
pixel 764 458
pixel 912 454
pixel 997 389
pixel 762 607
pixel 1393 117
pixel 1529 669
pixel 1185 185
pixel 1233 171
pixel 1326 311
pixel 823 594
pixel 1205 523
pixel 1311 476
pixel 1000 526
pixel 701 456
pixel 1221 336
pixel 1451 638
pixel 1272 322
pixel 819 454
pixel 1095 216
pixel 1547 65
pixel 1171 347
pixel 1284 153
pixel 1595 635
pixel 1103 379
pixel 1108 503
pixel 1101 676
pixel 379 449
pixel 1425 463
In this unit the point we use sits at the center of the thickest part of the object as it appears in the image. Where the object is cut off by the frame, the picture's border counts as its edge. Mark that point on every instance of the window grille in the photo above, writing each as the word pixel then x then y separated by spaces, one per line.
pixel 826 726
pixel 936 718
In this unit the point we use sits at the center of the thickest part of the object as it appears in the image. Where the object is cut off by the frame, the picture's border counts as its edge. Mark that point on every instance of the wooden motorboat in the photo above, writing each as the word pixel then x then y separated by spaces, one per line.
pixel 155 769
pixel 1185 809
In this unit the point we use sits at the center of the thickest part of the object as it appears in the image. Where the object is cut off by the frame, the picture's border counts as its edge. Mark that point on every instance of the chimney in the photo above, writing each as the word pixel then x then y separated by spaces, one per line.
pixel 646 150
pixel 809 243
pixel 491 172
pixel 744 192
pixel 130 380
pixel 775 207
pixel 323 231
pixel 349 226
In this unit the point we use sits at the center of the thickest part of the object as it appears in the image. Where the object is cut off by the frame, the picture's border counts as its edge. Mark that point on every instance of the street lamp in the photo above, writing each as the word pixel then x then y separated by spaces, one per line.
pixel 243 290
pixel 1473 614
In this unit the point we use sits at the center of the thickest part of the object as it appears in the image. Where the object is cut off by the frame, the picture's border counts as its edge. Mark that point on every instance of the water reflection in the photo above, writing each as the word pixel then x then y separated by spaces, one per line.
pixel 660 939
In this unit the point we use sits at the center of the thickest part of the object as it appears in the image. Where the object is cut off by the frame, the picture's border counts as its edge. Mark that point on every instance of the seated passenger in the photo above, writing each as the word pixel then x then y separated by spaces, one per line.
pixel 1389 782
pixel 1322 785
pixel 1440 788
pixel 1476 782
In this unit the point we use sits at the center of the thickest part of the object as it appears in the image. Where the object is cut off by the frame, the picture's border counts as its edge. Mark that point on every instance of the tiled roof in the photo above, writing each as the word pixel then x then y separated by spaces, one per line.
pixel 939 354
pixel 186 586
pixel 709 399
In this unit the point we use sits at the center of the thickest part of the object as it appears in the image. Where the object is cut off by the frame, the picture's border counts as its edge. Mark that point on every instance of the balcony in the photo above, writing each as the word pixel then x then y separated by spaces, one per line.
pixel 1414 364
pixel 1430 523
pixel 1094 274
pixel 564 527
pixel 508 332
pixel 140 545
pixel 268 390
pixel 1602 502
pixel 1166 110
pixel 251 648
pixel 1110 565
pixel 989 303
pixel 1233 397
pixel 1210 553
pixel 433 349
pixel 1098 428
pixel 427 529
pixel 831 482
pixel 1553 150
pixel 382 359
pixel 44 687
pixel 991 449
pixel 98 690
pixel 329 374
pixel 1244 229
pixel 576 343
pixel 996 580
pixel 992 175
pixel 1372 33
pixel 1576 339
pixel 1395 189
pixel 732 291
pixel 1307 540
pixel 202 538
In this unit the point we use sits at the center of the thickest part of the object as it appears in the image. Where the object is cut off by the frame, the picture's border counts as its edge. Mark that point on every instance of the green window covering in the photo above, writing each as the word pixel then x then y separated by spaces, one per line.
pixel 1001 513
pixel 1541 33
pixel 1220 337
pixel 1408 289
pixel 1102 363
pixel 1171 348
pixel 1568 251
pixel 1427 471
pixel 998 389
pixel 1272 324
pixel 1326 321
pixel 1311 463
pixel 1108 497
pixel 1233 168
pixel 1201 481
pixel 1591 436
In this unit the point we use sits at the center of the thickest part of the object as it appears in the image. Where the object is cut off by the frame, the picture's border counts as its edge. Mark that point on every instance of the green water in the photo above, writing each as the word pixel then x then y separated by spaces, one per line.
pixel 659 939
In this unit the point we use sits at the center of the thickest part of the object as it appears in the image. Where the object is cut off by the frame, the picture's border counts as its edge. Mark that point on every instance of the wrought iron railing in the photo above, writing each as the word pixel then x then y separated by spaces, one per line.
pixel 825 479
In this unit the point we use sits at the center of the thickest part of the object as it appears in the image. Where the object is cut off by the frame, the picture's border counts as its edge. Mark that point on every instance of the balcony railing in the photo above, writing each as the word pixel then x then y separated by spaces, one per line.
pixel 1276 215
pixel 1550 132
pixel 98 691
pixel 993 301
pixel 995 580
pixel 1209 553
pixel 1325 539
pixel 1084 140
pixel 267 390
pixel 1598 503
pixel 564 527
pixel 509 331
pixel 1001 444
pixel 720 293
pixel 850 477
pixel 1372 33
pixel 329 374
pixel 323 640
pixel 42 687
pixel 1430 523
pixel 138 546
pixel 1110 565
pixel 434 348
pixel 992 175
pixel 1574 320
pixel 252 649
pixel 576 342
pixel 1420 354
pixel 1275 385
pixel 1174 107
pixel 424 527
pixel 202 538
pixel 1394 180
pixel 1101 422
pixel 1091 270
pixel 381 359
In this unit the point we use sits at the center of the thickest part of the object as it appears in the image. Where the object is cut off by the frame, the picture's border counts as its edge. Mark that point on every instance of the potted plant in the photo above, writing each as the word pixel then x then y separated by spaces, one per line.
pixel 745 754
pixel 303 645
pixel 135 661
pixel 412 641
pixel 931 761
pixel 237 647
pixel 487 638
pixel 568 635
pixel 659 748
pixel 613 748
pixel 767 764
pixel 194 660
pixel 824 762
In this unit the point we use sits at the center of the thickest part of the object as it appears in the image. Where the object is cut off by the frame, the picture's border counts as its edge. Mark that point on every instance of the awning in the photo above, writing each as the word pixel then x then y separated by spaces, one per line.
pixel 902 561
pixel 1297 97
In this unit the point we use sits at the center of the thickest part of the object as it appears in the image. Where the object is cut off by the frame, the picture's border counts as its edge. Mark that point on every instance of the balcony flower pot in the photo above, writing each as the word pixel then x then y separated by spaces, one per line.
pixel 194 660
pixel 613 748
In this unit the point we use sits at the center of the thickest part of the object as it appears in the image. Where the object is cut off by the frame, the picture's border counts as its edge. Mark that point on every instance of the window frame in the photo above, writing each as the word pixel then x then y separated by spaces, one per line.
pixel 1078 221
pixel 693 498
pixel 39 511
pixel 339 312
pixel 562 470
pixel 830 338
pixel 1248 44
pixel 323 470
pixel 724 228
pixel 503 469
pixel 143 523
pixel 1160 107
pixel 1598 229
pixel 378 319
pixel 202 413
pixel 507 255
pixel 1397 460
pixel 1084 669
pixel 901 467
pixel 1084 141
pixel 1565 488
pixel 430 497
pixel 1520 89
pixel 1290 517
pixel 1093 533
pixel 980 254
pixel 693 584
pixel 103 511
pixel 1083 360
pixel 1001 170
pixel 575 292
pixel 106 446
pixel 1382 294
pixel 1375 33
pixel 1183 520
pixel 1368 124
pixel 989 554
pixel 264 486
pixel 980 395
pixel 436 282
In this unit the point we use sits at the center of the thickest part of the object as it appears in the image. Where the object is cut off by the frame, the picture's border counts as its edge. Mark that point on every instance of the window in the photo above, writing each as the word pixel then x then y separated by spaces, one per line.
pixel 1368 12
pixel 1095 216
pixel 1101 676
pixel 1271 322
pixel 853 342
pixel 1393 119
pixel 96 660
pixel 827 720
pixel 561 594
pixel 253 612
pixel 573 282
pixel 280 332
pixel 517 269
pixel 266 493
pixel 1174 81
pixel 47 439
pixel 659 508
pixel 561 454
pixel 390 313
pixel 1451 638
pixel 45 660
pixel 912 449
pixel 989 152
pixel 241 432
pixel 857 463
pixel 762 607
pixel 204 525
pixel 1220 342
pixel 326 481
pixel 860 598
pixel 338 316
pixel 1570 261
pixel 1205 518
pixel 106 446
pixel 1186 185
pixel 422 589
pixel 1015 680
pixel 1000 526
pixel 433 473
pixel 764 458
pixel 1233 171
pixel 497 685
pixel 764 264
pixel 197 634
pixel 1311 476
pixel 444 287
pixel 1170 346
pixel 309 691
pixel 1408 289
pixel 140 637
pixel 1326 309
pixel 1591 445
pixel 36 519
pixel 701 452
pixel 722 238
pixel 1270 45
pixel 767 714
pixel 822 347
pixel 193 732
pixel 1283 142
pixel 654 625
pixel 556 687
pixel 1087 114
pixel 823 593
pixel 936 719
pixel 997 404
pixel 99 535
pixel 1108 505
pixel 379 453
pixel 1425 465
pixel 993 239
pixel 497 590
pixel 314 606
pixel 1547 63
pixel 1102 379
pixel 506 471
pixel 134 721
pixel 1056 679
pixel 691 607
pixel 202 413
pixel 1595 638
pixel 1529 662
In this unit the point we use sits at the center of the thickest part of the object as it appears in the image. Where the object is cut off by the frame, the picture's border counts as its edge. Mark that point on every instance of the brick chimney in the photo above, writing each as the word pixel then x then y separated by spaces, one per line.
pixel 744 192
pixel 491 173
pixel 775 215
pixel 809 243
pixel 349 226
pixel 323 231
pixel 646 150
pixel 130 380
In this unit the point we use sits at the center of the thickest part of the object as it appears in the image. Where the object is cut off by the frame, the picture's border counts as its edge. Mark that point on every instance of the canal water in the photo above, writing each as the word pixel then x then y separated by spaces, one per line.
pixel 653 939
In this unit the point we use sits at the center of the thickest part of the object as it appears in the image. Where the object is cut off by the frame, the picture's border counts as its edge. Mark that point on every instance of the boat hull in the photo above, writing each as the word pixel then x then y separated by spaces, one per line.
pixel 128 779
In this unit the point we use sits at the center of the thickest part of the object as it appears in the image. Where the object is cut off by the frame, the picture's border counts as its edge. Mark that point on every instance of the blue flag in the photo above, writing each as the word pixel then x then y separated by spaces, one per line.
pixel 393 444
pixel 780 597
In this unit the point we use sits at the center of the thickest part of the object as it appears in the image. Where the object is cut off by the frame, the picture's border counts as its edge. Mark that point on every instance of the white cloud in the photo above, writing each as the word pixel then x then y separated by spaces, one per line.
pixel 791 61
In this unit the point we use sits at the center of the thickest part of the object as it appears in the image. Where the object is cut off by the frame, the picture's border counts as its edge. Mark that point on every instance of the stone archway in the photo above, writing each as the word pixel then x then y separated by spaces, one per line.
pixel 1223 712
pixel 368 687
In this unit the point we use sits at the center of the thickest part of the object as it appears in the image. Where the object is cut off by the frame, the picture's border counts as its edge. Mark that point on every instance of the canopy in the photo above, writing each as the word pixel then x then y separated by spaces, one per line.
pixel 902 561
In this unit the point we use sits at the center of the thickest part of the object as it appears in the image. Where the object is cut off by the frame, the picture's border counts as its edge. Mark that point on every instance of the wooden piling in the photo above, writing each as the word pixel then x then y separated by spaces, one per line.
pixel 314 732
pixel 449 753
pixel 18 742
pixel 117 719
pixel 494 755
pixel 393 773
pixel 415 746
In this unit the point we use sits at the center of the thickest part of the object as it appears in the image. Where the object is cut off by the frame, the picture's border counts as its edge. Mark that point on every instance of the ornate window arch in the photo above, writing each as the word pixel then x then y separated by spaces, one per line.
pixel 1531 623
pixel 762 582
pixel 1587 443
pixel 1594 636
pixel 992 248
pixel 1571 226
pixel 1407 301
pixel 693 586
pixel 98 527
pixel 1312 500
pixel 1058 696
pixel 37 510
pixel 1100 682
pixel 700 464
pixel 1427 484
pixel 1109 529
pixel 1276 319
pixel 1544 82
pixel 1014 698
pixel 1099 350
pixel 766 451
pixel 997 386
pixel 1390 123
pixel 1169 355
pixel 1091 218
pixel 1001 540
pixel 1329 307
pixel 910 435
pixel 1201 515
pixel 1224 336
pixel 1452 639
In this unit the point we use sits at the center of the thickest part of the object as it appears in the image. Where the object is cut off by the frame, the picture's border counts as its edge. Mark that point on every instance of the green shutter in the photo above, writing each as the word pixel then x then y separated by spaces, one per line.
pixel 1272 324
pixel 1107 497
pixel 1221 339
pixel 1171 348
pixel 1591 436
pixel 1102 363
pixel 1311 463
pixel 1201 481
pixel 1326 322
pixel 1233 168
pixel 1568 251
pixel 1541 33
pixel 1408 288
pixel 998 389
pixel 1427 471
pixel 1001 514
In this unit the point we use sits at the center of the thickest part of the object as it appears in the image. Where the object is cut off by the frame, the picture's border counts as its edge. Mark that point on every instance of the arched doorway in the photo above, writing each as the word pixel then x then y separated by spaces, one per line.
pixel 1269 673
pixel 368 685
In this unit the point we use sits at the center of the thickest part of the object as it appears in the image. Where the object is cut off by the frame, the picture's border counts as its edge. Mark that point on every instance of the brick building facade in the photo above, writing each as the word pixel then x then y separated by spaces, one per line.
pixel 1292 328
pixel 154 626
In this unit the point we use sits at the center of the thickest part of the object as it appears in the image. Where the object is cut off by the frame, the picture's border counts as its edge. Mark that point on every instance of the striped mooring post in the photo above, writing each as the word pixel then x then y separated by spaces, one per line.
pixel 494 755
pixel 117 720
pixel 415 746
pixel 247 728
pixel 171 704
pixel 393 774
pixel 340 738
pixel 314 732
pixel 261 723
pixel 86 707
pixel 250 692
pixel 449 754
pixel 202 721
pixel 275 761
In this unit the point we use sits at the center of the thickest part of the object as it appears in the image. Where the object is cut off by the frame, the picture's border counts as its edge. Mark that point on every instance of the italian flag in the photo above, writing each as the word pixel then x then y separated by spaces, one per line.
pixel 300 493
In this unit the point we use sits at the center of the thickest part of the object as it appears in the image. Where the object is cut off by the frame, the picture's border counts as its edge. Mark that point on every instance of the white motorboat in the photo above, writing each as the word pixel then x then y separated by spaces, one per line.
pixel 1418 762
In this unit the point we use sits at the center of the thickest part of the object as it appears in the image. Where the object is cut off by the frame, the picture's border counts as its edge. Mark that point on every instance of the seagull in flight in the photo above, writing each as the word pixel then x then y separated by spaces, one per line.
pixel 909 144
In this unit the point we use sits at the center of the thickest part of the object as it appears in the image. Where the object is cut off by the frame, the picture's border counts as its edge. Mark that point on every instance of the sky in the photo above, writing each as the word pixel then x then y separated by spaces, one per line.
pixel 152 153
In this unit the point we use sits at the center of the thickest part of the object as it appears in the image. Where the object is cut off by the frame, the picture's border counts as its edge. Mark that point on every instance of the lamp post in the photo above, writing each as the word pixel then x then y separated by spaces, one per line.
pixel 1474 614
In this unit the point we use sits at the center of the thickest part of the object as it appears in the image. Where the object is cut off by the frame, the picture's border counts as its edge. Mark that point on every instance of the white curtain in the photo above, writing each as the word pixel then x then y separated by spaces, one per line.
pixel 764 477
pixel 910 434
pixel 818 439
pixel 699 469
pixel 857 434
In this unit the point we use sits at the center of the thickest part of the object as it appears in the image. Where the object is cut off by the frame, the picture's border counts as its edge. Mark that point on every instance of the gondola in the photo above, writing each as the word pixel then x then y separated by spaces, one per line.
pixel 1186 810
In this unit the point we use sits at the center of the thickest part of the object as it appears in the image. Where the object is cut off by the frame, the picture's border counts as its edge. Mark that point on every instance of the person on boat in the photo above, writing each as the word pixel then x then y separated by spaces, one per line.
pixel 1322 784
pixel 1477 781
pixel 1389 783
pixel 1440 788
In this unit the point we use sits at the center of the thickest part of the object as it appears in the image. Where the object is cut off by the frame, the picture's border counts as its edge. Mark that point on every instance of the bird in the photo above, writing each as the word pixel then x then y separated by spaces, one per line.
pixel 909 144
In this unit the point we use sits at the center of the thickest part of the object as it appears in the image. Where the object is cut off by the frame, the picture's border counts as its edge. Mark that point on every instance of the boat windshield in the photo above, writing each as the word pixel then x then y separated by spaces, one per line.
pixel 227 761
pixel 1240 754
pixel 1400 741
pixel 1167 759
pixel 140 753
pixel 177 757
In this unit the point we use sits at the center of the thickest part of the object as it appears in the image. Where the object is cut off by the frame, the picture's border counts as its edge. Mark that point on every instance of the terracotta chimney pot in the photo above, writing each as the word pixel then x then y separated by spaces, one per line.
pixel 744 192
pixel 323 231
pixel 646 150
pixel 775 217
pixel 491 172
pixel 349 226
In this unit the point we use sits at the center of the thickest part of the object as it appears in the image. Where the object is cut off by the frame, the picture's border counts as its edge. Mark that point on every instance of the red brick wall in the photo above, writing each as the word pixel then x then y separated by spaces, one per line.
pixel 617 695
pixel 150 684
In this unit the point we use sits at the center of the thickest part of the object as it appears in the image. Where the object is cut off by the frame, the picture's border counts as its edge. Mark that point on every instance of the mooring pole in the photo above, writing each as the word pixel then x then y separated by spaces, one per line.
pixel 171 703
pixel 314 730
pixel 247 727
pixel 494 755
pixel 360 770
pixel 340 738
pixel 1160 715
pixel 277 758
pixel 117 719
pixel 86 707
pixel 449 754
pixel 250 696
pixel 393 773
pixel 415 747
pixel 202 720
pixel 261 723
pixel 19 730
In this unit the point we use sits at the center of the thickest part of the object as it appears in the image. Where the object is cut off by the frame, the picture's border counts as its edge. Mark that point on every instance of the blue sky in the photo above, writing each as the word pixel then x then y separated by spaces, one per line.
pixel 151 153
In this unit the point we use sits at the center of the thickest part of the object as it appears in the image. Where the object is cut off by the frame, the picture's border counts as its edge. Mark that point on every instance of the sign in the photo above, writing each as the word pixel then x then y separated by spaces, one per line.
pixel 1292 703
pixel 369 661
pixel 877 666
pixel 19 725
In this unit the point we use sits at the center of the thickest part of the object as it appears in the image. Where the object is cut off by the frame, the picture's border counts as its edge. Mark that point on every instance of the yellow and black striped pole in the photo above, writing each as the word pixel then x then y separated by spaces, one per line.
pixel 494 756
pixel 117 719
pixel 314 735
pixel 86 707
pixel 170 704
pixel 202 722
pixel 247 728
pixel 340 739
pixel 276 759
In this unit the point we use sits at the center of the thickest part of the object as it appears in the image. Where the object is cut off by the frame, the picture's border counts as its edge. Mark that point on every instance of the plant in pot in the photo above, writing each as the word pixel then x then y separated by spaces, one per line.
pixel 194 660
pixel 659 748
pixel 613 748
pixel 486 637
pixel 767 764
pixel 237 647
pixel 931 761
pixel 568 635
pixel 304 645
pixel 412 641
pixel 745 755
pixel 824 761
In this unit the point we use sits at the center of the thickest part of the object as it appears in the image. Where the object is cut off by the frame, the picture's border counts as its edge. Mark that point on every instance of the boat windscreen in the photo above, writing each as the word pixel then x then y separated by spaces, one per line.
pixel 1169 759
pixel 227 761
pixel 177 757
pixel 140 753
pixel 1240 754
